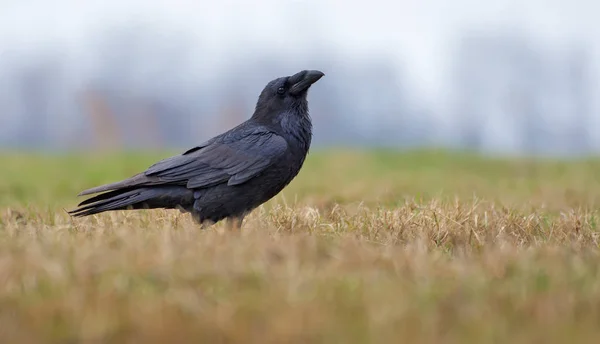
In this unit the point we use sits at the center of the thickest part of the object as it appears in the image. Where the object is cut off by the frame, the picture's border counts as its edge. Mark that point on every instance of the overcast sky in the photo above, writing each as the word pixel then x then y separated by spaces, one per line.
pixel 419 35
pixel 419 32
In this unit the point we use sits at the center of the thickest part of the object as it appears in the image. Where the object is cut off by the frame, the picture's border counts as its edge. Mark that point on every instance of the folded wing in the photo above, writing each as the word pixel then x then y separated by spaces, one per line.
pixel 234 160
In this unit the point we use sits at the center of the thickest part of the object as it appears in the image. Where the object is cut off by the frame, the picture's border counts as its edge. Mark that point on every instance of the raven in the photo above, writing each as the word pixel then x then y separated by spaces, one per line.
pixel 231 174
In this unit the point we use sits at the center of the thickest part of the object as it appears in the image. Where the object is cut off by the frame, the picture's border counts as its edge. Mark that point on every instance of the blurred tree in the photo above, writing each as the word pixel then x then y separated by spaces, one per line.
pixel 579 85
pixel 105 132
pixel 38 83
pixel 143 71
pixel 505 75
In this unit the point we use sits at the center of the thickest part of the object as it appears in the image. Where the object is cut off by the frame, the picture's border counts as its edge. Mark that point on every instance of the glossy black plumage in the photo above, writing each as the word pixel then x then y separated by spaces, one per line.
pixel 231 174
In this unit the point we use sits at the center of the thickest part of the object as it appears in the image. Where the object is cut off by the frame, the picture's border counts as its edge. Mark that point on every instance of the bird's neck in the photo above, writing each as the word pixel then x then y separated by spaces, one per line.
pixel 298 127
pixel 294 123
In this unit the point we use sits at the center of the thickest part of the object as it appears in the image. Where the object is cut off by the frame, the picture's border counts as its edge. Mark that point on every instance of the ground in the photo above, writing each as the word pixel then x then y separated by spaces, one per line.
pixel 363 247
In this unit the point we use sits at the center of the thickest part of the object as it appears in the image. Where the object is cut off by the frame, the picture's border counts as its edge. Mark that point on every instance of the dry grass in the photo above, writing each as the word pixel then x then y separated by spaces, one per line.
pixel 362 248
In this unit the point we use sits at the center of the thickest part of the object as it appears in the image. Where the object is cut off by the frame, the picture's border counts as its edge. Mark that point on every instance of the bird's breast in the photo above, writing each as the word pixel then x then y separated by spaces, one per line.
pixel 297 131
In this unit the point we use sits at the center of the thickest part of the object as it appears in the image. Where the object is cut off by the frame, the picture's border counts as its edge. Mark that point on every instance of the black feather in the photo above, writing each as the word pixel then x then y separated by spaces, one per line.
pixel 230 174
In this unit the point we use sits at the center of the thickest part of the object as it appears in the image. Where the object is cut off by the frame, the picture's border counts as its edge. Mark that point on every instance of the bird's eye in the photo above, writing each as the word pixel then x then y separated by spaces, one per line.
pixel 281 90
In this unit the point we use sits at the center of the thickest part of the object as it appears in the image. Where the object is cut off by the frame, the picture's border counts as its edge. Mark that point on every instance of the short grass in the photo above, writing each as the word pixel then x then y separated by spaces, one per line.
pixel 363 247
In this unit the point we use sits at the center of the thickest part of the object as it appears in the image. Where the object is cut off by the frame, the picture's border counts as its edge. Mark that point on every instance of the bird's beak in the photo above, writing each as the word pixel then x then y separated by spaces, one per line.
pixel 303 80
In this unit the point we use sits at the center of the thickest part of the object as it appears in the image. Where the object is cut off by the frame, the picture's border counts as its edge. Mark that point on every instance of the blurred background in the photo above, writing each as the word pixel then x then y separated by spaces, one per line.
pixel 499 77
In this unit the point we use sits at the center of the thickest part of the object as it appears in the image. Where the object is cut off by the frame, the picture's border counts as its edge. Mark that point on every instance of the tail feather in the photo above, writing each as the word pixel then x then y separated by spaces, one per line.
pixel 136 198
pixel 104 196
pixel 137 180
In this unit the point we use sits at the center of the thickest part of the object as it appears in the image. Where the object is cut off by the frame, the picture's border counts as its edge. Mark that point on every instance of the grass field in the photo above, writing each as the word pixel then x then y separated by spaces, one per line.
pixel 363 247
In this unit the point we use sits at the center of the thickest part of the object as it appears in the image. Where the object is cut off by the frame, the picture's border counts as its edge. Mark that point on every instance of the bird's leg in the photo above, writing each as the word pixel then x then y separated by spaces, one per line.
pixel 198 220
pixel 235 223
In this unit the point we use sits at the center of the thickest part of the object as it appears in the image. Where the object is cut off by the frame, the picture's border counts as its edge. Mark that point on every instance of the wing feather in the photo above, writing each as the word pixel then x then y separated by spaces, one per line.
pixel 234 160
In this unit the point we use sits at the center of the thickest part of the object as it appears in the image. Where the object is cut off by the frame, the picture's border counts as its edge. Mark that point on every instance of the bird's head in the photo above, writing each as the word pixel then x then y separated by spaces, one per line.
pixel 286 94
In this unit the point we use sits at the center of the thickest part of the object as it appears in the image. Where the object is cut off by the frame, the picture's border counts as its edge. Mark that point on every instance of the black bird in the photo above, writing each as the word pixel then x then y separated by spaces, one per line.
pixel 231 174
